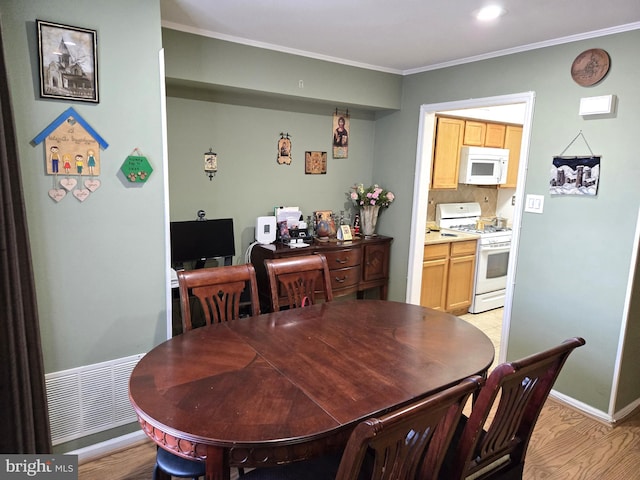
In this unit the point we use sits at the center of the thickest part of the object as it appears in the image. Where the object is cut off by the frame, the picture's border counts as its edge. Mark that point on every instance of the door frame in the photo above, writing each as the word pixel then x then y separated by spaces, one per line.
pixel 422 176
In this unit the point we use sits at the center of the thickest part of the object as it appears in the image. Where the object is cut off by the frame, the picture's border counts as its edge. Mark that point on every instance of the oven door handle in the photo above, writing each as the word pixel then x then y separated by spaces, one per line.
pixel 492 246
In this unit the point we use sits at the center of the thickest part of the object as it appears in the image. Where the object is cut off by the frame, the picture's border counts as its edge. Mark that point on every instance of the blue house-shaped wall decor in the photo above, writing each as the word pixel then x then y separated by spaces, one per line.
pixel 72 146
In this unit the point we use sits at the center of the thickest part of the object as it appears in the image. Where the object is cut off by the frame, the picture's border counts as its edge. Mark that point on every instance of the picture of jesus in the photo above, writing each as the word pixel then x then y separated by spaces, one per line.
pixel 340 135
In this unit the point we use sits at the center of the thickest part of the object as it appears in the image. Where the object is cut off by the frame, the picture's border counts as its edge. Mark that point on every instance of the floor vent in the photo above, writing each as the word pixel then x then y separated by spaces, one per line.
pixel 90 399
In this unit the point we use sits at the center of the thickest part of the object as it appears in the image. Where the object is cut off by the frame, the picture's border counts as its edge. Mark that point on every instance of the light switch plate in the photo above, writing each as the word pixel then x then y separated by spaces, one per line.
pixel 534 203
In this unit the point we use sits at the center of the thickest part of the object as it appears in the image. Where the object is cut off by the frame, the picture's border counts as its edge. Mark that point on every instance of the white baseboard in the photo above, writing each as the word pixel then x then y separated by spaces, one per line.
pixel 582 407
pixel 93 452
pixel 626 411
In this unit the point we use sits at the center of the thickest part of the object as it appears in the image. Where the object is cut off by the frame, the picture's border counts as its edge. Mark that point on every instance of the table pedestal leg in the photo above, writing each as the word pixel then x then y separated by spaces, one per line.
pixel 217 465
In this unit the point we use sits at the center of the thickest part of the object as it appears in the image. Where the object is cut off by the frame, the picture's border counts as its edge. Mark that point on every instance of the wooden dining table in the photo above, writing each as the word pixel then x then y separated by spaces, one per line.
pixel 292 385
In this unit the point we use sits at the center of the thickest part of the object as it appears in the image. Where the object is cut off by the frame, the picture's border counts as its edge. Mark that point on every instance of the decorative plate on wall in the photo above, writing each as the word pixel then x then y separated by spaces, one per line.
pixel 590 67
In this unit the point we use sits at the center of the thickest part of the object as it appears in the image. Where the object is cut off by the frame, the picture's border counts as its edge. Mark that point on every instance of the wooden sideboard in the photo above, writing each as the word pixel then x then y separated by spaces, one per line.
pixel 355 266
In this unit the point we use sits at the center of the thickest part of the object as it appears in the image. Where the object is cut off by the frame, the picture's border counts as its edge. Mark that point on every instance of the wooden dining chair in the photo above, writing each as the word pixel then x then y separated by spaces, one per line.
pixel 294 281
pixel 405 444
pixel 515 391
pixel 219 291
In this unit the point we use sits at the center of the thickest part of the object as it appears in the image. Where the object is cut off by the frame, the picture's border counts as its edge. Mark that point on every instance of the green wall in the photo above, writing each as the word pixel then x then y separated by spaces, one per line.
pixel 574 260
pixel 99 265
pixel 237 100
pixel 211 62
pixel 250 182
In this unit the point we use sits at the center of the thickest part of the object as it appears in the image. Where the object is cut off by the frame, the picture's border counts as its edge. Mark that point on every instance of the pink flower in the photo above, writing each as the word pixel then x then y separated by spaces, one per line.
pixel 373 195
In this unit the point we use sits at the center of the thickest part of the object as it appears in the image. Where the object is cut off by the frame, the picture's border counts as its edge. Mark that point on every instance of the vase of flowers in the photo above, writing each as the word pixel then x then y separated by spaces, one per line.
pixel 370 200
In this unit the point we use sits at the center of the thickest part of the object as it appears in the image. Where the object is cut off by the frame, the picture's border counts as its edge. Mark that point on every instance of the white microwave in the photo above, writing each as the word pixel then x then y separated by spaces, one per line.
pixel 483 165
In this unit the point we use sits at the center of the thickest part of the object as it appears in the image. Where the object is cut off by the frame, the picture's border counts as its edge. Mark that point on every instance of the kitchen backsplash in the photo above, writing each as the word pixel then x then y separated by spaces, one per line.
pixel 487 197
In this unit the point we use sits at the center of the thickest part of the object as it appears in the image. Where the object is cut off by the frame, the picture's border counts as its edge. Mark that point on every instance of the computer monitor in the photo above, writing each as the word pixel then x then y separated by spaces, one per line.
pixel 198 240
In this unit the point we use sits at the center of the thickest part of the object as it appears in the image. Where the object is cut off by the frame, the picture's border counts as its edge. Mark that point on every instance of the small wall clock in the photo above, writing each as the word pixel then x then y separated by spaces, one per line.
pixel 590 67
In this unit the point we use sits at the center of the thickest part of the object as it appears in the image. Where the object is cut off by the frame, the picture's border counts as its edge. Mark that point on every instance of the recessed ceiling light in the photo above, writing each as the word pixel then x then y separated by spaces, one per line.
pixel 490 12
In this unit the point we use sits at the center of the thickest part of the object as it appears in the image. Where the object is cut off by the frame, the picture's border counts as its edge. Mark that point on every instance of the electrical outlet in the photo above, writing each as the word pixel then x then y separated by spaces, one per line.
pixel 534 204
pixel 513 201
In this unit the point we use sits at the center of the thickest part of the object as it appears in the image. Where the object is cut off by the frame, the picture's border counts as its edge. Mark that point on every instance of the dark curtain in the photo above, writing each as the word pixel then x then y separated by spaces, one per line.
pixel 24 427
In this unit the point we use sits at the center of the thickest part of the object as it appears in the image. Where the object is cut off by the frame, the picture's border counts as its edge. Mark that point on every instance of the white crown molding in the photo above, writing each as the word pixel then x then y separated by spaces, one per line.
pixel 532 46
pixel 277 48
pixel 499 53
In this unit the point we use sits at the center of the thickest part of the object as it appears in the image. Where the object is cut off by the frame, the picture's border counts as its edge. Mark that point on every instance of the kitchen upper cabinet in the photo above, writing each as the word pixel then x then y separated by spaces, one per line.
pixel 495 134
pixel 446 155
pixel 512 141
pixel 484 134
pixel 453 133
pixel 447 276
pixel 474 133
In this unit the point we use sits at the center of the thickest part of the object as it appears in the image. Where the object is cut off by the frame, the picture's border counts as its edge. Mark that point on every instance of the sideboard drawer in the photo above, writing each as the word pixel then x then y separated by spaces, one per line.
pixel 343 258
pixel 344 277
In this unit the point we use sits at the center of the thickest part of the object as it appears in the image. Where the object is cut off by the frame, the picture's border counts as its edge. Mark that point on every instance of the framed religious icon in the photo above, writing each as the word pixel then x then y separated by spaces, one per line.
pixel 68 62
pixel 210 163
pixel 284 149
pixel 315 163
pixel 341 126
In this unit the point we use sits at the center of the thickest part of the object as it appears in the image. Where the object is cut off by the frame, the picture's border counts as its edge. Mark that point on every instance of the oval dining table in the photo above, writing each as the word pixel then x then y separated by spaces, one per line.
pixel 292 385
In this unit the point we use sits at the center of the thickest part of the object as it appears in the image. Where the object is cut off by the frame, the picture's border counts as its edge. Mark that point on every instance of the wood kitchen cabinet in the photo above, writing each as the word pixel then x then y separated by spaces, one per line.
pixel 354 266
pixel 512 141
pixel 495 135
pixel 474 133
pixel 484 134
pixel 453 133
pixel 448 271
pixel 446 155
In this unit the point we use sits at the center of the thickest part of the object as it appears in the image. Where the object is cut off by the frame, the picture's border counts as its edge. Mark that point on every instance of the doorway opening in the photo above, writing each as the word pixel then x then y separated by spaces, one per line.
pixel 424 155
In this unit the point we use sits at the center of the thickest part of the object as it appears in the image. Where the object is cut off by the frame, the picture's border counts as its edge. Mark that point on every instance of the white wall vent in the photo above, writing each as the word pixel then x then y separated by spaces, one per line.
pixel 90 399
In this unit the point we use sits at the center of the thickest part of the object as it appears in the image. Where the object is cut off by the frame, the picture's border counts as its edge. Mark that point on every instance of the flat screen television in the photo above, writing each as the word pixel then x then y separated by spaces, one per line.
pixel 198 240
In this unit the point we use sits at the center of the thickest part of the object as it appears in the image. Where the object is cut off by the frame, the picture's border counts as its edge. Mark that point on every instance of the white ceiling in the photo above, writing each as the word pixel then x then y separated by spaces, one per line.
pixel 399 36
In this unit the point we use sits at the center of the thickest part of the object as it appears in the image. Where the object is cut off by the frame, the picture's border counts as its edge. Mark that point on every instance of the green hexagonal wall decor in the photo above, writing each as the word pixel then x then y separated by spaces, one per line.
pixel 136 168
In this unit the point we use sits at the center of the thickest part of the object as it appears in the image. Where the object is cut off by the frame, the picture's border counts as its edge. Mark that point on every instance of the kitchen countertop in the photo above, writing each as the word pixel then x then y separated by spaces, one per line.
pixel 437 237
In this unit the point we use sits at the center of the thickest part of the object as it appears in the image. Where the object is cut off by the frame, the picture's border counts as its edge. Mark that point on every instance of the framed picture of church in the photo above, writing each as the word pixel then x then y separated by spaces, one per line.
pixel 68 62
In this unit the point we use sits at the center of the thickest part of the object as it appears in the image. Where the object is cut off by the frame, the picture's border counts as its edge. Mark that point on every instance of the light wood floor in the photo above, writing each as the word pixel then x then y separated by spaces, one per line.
pixel 566 445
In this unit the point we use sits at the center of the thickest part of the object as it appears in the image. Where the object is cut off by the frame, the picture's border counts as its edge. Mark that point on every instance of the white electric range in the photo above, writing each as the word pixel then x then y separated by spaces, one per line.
pixel 492 255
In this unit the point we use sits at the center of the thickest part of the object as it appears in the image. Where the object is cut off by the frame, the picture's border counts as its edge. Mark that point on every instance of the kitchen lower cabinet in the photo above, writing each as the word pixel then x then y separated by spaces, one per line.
pixel 354 266
pixel 435 271
pixel 448 271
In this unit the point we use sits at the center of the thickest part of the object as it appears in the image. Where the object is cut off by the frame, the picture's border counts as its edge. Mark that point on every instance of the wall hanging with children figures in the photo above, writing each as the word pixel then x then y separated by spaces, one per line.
pixel 72 156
